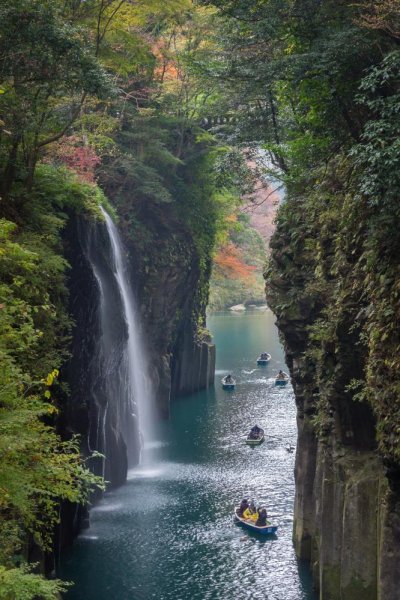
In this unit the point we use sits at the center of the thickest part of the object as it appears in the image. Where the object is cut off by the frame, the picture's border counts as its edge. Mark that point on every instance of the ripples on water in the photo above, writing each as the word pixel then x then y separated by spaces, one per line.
pixel 168 533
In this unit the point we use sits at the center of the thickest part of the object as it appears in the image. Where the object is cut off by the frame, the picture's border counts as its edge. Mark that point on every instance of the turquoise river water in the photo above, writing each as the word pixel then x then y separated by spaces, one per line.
pixel 168 534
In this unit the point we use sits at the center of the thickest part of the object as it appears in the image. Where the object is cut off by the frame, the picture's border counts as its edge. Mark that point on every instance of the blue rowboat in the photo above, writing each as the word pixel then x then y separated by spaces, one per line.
pixel 228 386
pixel 263 361
pixel 269 529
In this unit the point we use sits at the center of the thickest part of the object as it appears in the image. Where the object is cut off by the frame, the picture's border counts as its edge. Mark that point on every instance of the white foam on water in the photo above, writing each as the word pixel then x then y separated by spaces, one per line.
pixel 143 473
pixel 107 507
pixel 154 445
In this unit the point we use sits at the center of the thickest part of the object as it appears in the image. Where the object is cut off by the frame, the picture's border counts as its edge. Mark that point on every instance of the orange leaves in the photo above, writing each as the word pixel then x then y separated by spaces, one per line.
pixel 230 261
pixel 166 68
pixel 382 15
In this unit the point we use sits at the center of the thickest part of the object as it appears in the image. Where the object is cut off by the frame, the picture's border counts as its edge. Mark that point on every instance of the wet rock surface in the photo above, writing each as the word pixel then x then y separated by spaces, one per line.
pixel 172 283
pixel 96 407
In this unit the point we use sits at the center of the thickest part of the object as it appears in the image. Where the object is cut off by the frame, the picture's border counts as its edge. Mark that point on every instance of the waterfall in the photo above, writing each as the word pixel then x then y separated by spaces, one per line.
pixel 137 383
pixel 111 399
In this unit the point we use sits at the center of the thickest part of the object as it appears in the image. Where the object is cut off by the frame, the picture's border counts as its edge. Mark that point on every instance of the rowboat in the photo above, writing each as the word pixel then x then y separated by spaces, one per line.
pixel 263 361
pixel 228 386
pixel 255 441
pixel 282 379
pixel 268 529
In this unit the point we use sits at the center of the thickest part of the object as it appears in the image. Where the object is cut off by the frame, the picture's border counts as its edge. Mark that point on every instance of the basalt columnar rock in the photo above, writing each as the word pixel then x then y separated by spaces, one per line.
pixel 171 281
pixel 96 406
pixel 347 504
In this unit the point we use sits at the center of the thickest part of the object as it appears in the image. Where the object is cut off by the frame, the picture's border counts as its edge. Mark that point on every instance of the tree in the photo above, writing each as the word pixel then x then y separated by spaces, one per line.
pixel 46 72
pixel 37 468
pixel 106 91
pixel 381 15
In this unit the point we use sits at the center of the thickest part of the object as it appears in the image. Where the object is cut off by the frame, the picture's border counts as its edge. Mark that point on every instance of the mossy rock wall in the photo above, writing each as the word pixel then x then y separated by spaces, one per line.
pixel 346 515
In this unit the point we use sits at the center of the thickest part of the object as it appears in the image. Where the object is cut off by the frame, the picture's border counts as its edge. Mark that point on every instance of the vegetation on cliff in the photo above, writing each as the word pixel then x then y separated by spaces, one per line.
pixel 317 85
pixel 141 103
pixel 96 97
pixel 37 468
pixel 238 266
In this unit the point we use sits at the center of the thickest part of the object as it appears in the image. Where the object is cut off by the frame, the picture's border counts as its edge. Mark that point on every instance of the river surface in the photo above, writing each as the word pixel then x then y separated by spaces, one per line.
pixel 168 534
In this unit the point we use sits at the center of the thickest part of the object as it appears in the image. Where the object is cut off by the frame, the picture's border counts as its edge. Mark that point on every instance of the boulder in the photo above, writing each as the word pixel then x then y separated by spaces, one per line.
pixel 238 308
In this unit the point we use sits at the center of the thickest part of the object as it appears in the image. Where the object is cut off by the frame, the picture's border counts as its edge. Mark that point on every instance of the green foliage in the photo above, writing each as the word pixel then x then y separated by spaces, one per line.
pixel 290 76
pixel 232 171
pixel 37 468
pixel 119 85
pixel 21 584
pixel 46 72
pixel 378 155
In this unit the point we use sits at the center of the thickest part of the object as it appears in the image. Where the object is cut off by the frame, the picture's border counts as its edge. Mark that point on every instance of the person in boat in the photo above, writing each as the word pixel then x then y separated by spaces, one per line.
pixel 281 376
pixel 228 379
pixel 262 517
pixel 255 432
pixel 264 355
pixel 243 506
pixel 251 513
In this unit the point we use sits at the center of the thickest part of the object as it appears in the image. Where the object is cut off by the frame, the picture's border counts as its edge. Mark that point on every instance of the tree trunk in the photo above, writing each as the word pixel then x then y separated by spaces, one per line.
pixel 10 169
pixel 33 156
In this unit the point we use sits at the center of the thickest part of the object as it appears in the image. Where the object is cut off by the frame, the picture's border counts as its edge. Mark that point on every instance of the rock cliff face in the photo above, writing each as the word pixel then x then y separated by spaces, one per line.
pixel 96 407
pixel 172 293
pixel 171 284
pixel 346 516
pixel 347 504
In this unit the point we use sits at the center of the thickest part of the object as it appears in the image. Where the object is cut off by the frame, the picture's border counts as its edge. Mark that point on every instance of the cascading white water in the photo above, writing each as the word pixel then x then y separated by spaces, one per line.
pixel 138 384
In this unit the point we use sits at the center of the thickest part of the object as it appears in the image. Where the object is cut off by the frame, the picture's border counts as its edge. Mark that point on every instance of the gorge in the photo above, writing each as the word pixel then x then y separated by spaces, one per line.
pixel 168 532
pixel 135 140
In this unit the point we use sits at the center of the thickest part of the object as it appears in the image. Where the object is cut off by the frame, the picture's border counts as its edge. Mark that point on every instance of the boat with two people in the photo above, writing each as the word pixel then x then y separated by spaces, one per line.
pixel 228 383
pixel 263 359
pixel 254 519
pixel 282 378
pixel 256 436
